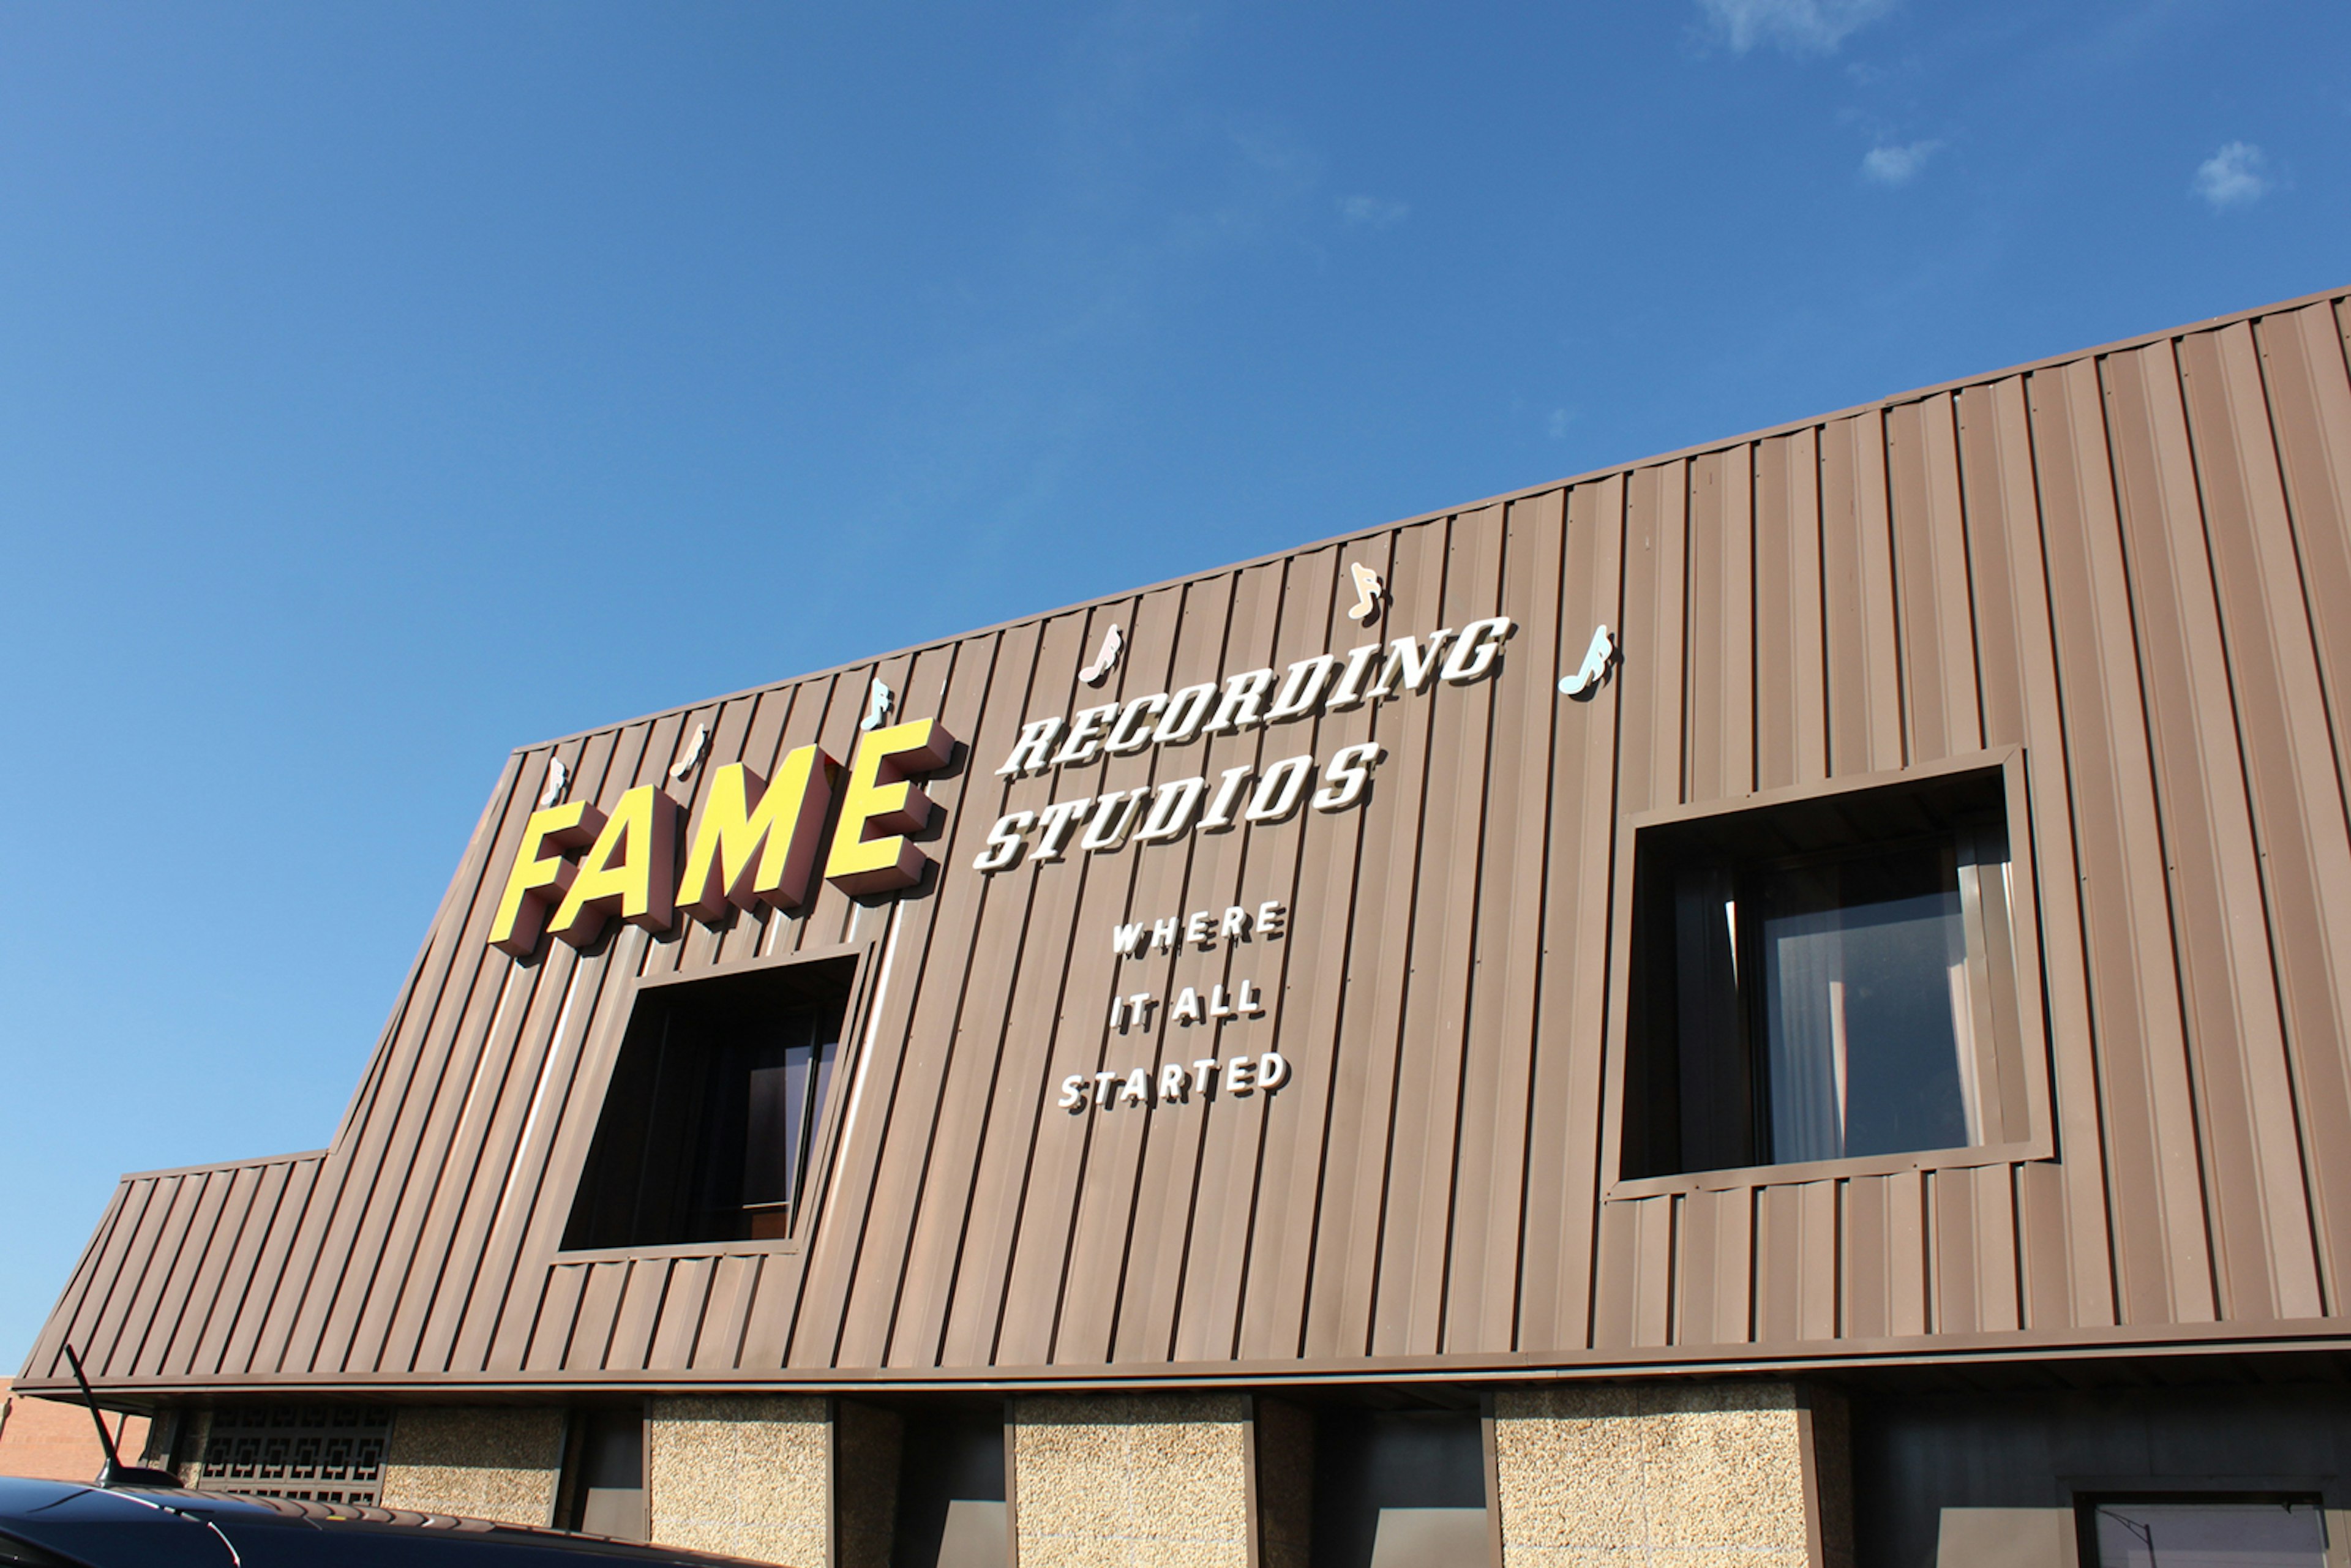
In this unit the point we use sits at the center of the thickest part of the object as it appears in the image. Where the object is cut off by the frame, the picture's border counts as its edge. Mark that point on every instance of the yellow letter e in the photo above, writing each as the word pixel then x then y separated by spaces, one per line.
pixel 879 795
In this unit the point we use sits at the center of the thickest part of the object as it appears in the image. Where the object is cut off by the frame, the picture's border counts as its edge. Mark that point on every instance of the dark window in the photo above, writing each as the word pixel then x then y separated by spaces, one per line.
pixel 605 1494
pixel 1399 1489
pixel 1823 980
pixel 951 1512
pixel 711 1120
pixel 2190 1530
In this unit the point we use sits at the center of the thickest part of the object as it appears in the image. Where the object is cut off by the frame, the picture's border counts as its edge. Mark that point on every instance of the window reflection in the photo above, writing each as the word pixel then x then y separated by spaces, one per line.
pixel 1866 1010
pixel 2201 1534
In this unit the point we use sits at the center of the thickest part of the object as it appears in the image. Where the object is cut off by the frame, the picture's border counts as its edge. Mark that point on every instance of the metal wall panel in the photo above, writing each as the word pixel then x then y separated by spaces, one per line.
pixel 2131 563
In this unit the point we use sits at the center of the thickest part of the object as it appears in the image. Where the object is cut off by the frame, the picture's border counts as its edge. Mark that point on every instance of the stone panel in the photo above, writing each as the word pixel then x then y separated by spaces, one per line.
pixel 748 1475
pixel 1132 1481
pixel 1721 1475
pixel 498 1462
pixel 176 1443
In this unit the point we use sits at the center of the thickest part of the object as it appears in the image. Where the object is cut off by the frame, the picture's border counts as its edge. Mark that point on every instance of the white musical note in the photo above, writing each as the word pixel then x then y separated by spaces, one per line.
pixel 558 778
pixel 1106 661
pixel 1369 592
pixel 692 754
pixel 878 701
pixel 1596 660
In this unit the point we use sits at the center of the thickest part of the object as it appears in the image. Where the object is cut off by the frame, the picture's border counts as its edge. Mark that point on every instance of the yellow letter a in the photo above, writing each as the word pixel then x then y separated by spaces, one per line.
pixel 631 872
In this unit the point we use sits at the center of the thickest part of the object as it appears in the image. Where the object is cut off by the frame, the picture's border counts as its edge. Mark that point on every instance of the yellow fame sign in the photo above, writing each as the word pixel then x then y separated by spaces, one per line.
pixel 754 843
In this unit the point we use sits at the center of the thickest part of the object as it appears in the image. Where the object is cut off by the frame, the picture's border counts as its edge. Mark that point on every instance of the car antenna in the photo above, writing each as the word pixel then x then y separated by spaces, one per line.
pixel 114 1472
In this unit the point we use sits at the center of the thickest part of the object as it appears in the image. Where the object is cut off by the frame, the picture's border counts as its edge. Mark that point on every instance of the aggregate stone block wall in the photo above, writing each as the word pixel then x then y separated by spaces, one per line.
pixel 1146 1480
pixel 483 1461
pixel 176 1442
pixel 749 1475
pixel 1673 1475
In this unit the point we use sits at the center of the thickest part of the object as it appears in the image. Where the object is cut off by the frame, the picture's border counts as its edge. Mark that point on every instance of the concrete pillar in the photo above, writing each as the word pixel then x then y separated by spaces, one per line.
pixel 1673 1475
pixel 176 1442
pixel 1161 1479
pixel 499 1462
pixel 748 1475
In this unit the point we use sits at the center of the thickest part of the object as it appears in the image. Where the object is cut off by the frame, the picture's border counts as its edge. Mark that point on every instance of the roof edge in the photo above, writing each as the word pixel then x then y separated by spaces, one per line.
pixel 1589 476
pixel 212 1166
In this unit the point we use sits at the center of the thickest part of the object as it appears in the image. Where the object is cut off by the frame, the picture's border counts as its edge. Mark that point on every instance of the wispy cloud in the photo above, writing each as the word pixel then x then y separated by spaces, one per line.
pixel 1371 211
pixel 1796 26
pixel 1897 165
pixel 2234 176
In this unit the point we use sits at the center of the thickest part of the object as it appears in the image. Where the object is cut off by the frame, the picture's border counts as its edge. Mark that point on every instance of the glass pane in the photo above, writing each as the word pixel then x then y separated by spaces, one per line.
pixel 786 1096
pixel 2210 1535
pixel 823 1049
pixel 1866 1007
pixel 796 1109
pixel 766 1140
pixel 1716 1083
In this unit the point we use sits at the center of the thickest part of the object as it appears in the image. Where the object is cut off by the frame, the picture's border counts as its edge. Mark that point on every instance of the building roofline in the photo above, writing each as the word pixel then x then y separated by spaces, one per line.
pixel 211 1165
pixel 1586 476
pixel 2330 1336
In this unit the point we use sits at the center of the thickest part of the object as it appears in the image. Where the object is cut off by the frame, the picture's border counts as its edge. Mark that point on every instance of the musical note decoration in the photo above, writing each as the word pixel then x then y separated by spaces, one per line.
pixel 692 754
pixel 1594 668
pixel 878 702
pixel 1369 592
pixel 559 779
pixel 1106 661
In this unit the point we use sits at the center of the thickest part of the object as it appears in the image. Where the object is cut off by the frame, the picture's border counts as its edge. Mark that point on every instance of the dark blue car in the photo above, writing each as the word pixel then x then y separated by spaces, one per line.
pixel 59 1524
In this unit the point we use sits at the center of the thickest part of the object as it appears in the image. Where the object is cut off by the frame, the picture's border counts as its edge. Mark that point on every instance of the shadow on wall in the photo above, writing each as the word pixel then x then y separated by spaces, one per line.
pixel 2026 1480
pixel 950 1506
pixel 1398 1490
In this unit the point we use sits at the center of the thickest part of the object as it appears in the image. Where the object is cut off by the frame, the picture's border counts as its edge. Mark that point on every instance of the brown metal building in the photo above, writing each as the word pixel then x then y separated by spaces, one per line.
pixel 1259 1070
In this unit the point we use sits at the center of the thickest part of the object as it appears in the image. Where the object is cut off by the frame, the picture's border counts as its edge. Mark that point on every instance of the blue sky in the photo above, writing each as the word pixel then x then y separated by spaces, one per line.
pixel 381 388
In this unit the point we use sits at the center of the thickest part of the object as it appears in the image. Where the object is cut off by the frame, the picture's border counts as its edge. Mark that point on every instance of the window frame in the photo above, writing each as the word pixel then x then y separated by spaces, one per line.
pixel 2025 1034
pixel 601 1058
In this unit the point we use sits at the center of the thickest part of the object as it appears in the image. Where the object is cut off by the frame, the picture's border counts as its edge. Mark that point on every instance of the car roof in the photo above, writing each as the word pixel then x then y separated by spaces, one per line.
pixel 157 1525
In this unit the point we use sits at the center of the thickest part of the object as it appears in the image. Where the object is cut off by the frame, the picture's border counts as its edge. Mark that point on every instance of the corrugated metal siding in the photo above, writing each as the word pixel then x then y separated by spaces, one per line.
pixel 2134 563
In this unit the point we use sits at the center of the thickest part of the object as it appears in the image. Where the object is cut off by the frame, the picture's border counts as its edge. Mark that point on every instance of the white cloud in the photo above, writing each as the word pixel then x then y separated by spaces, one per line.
pixel 1897 165
pixel 1797 27
pixel 1370 212
pixel 2236 174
